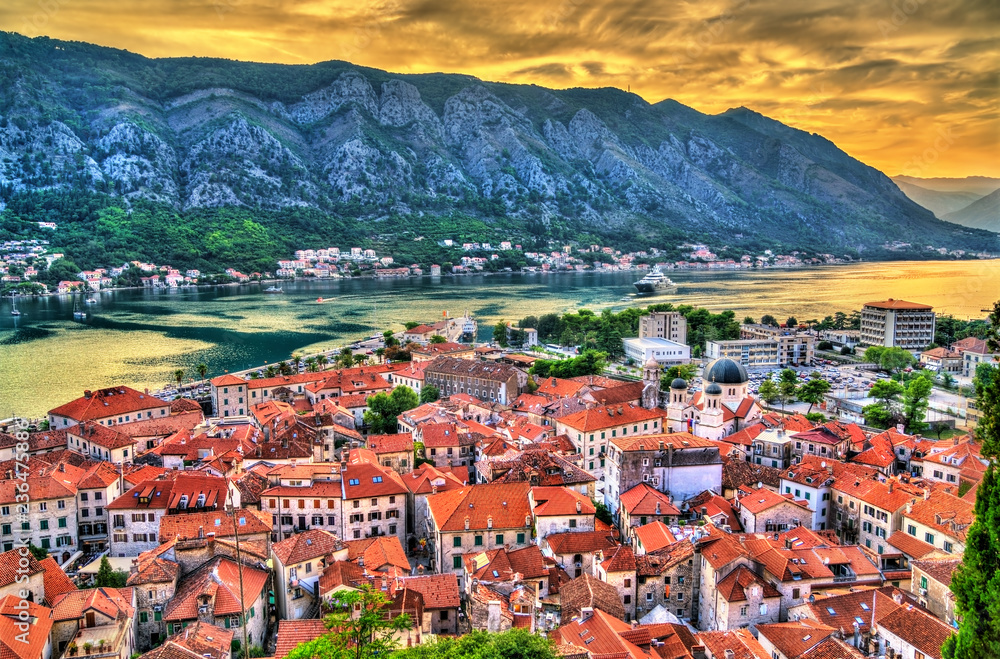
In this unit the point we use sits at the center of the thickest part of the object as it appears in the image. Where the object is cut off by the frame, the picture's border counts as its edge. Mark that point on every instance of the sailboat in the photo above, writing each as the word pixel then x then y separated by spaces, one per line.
pixel 13 302
pixel 78 313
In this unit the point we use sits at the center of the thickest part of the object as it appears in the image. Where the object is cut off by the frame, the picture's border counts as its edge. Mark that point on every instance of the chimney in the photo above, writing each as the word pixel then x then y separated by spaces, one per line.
pixel 927 494
pixel 657 507
pixel 493 616
pixel 891 483
pixel 579 507
pixel 730 654
pixel 954 441
pixel 698 652
pixel 87 393
pixel 586 613
pixel 62 466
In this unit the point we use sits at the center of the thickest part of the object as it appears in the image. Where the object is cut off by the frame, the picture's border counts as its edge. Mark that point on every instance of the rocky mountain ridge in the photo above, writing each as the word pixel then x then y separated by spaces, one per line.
pixel 364 144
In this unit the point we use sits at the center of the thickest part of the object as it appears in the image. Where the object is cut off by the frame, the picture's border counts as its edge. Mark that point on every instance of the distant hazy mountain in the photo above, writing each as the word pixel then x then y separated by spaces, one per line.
pixel 980 185
pixel 938 202
pixel 360 147
pixel 982 214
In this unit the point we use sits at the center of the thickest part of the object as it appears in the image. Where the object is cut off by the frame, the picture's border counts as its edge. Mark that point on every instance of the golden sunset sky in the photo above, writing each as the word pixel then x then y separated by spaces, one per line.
pixel 908 86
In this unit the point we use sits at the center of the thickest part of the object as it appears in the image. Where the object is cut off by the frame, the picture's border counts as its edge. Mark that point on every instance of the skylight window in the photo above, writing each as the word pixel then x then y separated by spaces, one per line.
pixel 865 606
pixel 353 481
pixel 831 611
pixel 859 620
pixel 376 479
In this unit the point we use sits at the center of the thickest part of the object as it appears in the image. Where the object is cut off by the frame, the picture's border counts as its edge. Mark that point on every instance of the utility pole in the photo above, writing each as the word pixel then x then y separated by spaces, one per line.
pixel 239 567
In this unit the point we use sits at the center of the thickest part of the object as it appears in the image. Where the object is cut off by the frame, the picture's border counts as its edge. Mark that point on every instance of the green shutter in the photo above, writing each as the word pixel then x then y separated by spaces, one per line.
pixel 227 622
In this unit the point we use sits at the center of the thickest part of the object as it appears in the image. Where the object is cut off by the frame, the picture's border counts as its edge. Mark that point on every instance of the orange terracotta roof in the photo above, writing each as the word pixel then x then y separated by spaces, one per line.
pixel 757 501
pixel 654 536
pixel 166 494
pixel 898 304
pixel 620 559
pixel 740 641
pixel 314 543
pixel 793 638
pixel 440 591
pixel 503 504
pixel 381 553
pixel 720 548
pixel 428 479
pixel 560 501
pixel 227 380
pixel 674 440
pixel 199 640
pixel 644 499
pixel 218 524
pixel 219 577
pixel 943 512
pixel 55 580
pixel 558 388
pixel 579 542
pixel 395 443
pixel 113 401
pixel 17 642
pixel 292 633
pixel 589 591
pixel 610 416
pixel 364 479
pixel 112 602
pixel 735 585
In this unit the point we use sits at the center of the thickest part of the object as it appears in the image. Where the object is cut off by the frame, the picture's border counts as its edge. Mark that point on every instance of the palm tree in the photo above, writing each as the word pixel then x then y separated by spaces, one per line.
pixel 360 359
pixel 179 376
pixel 297 360
pixel 270 371
pixel 380 353
pixel 284 368
pixel 202 369
pixel 321 359
pixel 311 364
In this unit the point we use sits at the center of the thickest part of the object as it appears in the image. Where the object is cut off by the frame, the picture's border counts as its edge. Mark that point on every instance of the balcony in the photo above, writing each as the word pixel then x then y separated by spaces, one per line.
pixel 847 578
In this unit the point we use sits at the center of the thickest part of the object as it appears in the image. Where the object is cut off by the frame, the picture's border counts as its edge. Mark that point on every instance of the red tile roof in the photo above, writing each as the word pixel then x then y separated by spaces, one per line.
pixel 580 542
pixel 55 580
pixel 16 642
pixel 674 440
pixel 218 524
pixel 589 591
pixel 314 543
pixel 505 504
pixel 10 567
pixel 364 479
pixel 199 640
pixel 832 648
pixel 944 512
pixel 440 591
pixel 395 443
pixel 757 501
pixel 610 416
pixel 558 388
pixel 898 304
pixel 720 548
pixel 220 578
pixel 654 535
pixel 112 602
pixel 793 638
pixel 644 499
pixel 740 641
pixel 502 564
pixel 166 494
pixel 560 501
pixel 379 553
pixel 113 401
pixel 735 585
pixel 428 479
pixel 620 559
pixel 292 633
pixel 227 380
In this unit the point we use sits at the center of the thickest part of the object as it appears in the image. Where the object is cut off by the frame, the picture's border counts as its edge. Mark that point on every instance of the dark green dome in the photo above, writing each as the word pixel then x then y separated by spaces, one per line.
pixel 725 371
pixel 679 383
pixel 713 389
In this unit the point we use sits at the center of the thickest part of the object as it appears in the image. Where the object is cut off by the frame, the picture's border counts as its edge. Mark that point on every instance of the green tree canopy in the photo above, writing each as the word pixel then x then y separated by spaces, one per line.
pixel 591 362
pixel 500 334
pixel 916 398
pixel 359 628
pixel 769 391
pixel 383 408
pixel 513 644
pixel 107 577
pixel 437 338
pixel 429 393
pixel 812 392
pixel 768 319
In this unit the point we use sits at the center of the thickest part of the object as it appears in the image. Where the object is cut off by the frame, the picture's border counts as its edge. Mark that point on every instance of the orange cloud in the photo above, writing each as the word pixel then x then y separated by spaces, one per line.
pixel 907 86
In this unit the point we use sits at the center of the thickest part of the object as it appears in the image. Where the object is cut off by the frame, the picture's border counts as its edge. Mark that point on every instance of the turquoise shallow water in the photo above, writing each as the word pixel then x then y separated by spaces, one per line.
pixel 140 337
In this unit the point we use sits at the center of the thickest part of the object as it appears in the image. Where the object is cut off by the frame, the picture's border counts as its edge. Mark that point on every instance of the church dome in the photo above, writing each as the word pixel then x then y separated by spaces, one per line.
pixel 725 371
pixel 652 363
pixel 679 383
pixel 713 389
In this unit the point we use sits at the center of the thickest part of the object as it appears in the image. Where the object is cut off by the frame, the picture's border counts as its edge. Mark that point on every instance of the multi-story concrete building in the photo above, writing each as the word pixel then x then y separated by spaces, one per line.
pixel 47 517
pixel 763 511
pixel 477 518
pixel 679 464
pixel 98 487
pixel 592 429
pixel 298 565
pixel 794 347
pixel 940 519
pixel 154 580
pixel 136 514
pixel 229 396
pixel 897 324
pixel 664 351
pixel 304 497
pixel 496 383
pixel 375 498
pixel 108 407
pixel 669 325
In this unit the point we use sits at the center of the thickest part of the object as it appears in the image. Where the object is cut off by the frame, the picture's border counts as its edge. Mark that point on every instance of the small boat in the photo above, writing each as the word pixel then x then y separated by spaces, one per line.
pixel 90 300
pixel 78 313
pixel 321 300
pixel 14 311
pixel 273 289
pixel 654 281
